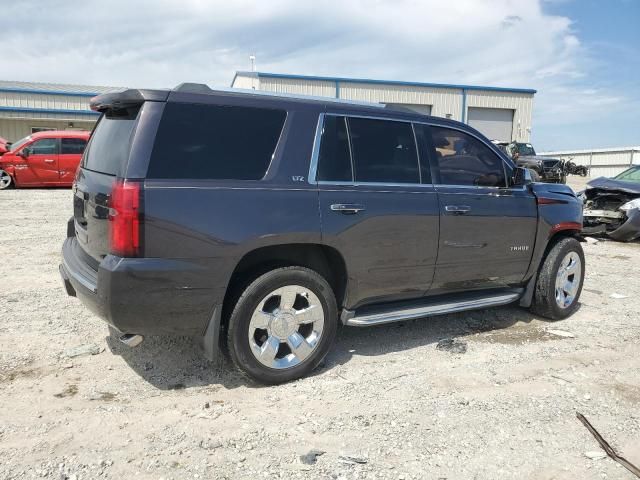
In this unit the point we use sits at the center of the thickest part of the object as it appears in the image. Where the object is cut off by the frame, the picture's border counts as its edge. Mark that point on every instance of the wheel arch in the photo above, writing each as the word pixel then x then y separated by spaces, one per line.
pixel 557 233
pixel 325 260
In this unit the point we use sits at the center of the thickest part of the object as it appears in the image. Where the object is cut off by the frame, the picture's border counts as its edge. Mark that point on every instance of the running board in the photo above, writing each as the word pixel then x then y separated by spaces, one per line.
pixel 389 315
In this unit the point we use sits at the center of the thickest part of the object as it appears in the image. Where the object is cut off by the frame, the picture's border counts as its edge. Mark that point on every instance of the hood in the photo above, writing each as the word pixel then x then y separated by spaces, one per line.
pixel 603 183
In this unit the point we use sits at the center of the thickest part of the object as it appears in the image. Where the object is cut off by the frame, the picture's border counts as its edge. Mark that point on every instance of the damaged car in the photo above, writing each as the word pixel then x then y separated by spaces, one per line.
pixel 612 206
pixel 543 169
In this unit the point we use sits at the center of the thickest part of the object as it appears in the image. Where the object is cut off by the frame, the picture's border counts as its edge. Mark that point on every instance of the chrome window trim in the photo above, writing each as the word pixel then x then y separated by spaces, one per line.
pixel 415 143
pixel 353 165
pixel 313 167
pixel 315 152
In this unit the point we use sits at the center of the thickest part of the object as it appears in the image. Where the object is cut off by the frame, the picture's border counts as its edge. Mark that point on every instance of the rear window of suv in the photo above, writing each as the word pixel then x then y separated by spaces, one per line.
pixel 196 141
pixel 108 148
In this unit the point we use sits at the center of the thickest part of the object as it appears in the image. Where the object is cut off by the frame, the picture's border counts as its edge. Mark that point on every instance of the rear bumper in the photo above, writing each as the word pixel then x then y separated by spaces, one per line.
pixel 146 296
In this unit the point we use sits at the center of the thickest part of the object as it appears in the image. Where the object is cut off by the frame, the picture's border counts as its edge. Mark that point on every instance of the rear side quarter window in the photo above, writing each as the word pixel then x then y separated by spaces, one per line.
pixel 211 142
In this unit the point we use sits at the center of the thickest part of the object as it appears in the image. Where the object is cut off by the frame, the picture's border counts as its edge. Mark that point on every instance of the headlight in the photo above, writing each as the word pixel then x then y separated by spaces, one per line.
pixel 632 205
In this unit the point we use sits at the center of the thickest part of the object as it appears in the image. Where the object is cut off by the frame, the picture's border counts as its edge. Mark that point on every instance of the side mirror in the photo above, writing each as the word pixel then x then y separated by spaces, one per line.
pixel 521 177
pixel 24 153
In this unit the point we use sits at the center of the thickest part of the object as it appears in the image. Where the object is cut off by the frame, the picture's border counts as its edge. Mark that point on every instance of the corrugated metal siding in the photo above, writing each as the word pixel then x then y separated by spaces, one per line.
pixel 443 101
pixel 246 82
pixel 300 87
pixel 57 87
pixel 44 101
pixel 521 104
pixel 14 130
pixel 602 162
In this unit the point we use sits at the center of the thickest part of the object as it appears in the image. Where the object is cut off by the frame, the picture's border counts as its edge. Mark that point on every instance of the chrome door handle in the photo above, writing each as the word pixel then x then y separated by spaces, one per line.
pixel 457 209
pixel 347 208
pixel 49 160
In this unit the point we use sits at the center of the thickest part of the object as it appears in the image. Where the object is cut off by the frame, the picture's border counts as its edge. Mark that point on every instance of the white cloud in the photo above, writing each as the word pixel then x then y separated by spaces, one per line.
pixel 163 43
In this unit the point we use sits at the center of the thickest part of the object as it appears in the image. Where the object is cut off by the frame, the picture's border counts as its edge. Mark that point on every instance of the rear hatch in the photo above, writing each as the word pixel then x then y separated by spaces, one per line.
pixel 104 160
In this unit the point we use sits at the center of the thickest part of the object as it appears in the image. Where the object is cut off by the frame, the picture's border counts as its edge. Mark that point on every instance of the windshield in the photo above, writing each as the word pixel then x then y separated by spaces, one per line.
pixel 630 175
pixel 526 149
pixel 18 145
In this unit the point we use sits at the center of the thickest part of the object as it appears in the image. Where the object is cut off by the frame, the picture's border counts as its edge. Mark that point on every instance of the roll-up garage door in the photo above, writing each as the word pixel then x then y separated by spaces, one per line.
pixel 423 109
pixel 495 123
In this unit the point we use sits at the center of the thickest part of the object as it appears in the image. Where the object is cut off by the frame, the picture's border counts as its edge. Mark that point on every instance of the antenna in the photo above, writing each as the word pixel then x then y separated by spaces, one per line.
pixel 252 62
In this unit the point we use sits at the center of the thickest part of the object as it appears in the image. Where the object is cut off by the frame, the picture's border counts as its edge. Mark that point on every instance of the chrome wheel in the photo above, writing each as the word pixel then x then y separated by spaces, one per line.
pixel 5 180
pixel 286 327
pixel 568 279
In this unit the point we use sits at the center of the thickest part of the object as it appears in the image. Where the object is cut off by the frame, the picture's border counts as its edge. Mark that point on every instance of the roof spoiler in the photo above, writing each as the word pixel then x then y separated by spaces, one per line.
pixel 126 99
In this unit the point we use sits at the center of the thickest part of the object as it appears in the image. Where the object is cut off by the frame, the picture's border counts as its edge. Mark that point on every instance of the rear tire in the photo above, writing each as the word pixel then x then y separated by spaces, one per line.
pixel 283 325
pixel 560 280
pixel 6 181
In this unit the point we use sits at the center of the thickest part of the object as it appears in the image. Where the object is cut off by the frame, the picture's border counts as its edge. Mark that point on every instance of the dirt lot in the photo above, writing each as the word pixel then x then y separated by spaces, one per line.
pixel 386 403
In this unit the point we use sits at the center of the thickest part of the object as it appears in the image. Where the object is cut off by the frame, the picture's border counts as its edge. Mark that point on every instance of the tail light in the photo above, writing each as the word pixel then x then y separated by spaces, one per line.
pixel 125 219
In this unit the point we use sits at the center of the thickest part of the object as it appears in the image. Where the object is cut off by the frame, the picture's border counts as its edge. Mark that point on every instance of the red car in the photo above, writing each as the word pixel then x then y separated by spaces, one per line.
pixel 3 146
pixel 44 159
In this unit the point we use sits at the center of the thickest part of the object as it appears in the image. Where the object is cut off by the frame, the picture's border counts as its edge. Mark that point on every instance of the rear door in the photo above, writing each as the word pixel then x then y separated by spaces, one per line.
pixel 487 229
pixel 41 166
pixel 374 208
pixel 71 150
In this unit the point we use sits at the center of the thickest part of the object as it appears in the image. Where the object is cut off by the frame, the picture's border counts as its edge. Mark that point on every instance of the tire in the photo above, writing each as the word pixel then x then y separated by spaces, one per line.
pixel 283 325
pixel 557 297
pixel 6 181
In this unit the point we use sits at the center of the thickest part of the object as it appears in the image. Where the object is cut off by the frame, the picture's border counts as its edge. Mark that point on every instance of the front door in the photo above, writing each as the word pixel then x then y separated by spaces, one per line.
pixel 375 210
pixel 40 167
pixel 487 228
pixel 71 150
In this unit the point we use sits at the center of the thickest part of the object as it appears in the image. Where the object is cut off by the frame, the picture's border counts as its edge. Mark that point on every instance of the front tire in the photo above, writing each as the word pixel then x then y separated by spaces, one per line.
pixel 560 280
pixel 6 181
pixel 283 325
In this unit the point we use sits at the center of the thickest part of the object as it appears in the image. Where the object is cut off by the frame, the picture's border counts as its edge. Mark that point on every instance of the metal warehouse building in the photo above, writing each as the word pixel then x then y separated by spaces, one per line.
pixel 499 113
pixel 27 107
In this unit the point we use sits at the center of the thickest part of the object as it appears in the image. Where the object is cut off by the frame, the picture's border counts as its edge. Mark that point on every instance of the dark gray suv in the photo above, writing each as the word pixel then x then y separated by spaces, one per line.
pixel 260 222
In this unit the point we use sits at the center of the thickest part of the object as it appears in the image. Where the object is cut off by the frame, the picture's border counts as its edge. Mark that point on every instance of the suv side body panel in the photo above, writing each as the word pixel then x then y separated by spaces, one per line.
pixel 197 231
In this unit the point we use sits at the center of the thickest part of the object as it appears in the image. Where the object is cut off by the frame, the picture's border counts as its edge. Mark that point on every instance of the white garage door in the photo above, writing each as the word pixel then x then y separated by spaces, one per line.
pixel 423 109
pixel 495 123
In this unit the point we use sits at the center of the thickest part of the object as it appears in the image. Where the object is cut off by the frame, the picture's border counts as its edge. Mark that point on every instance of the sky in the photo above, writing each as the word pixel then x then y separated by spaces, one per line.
pixel 582 56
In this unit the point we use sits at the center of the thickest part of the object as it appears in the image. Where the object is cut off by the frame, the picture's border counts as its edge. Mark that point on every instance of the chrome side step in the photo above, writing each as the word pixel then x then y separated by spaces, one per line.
pixel 418 311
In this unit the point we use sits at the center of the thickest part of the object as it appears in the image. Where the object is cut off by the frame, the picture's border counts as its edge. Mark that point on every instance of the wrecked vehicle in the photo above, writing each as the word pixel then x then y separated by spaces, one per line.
pixel 543 169
pixel 612 206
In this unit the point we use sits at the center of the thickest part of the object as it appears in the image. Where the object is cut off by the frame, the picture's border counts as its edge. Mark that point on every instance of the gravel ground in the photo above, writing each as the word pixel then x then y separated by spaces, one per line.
pixel 386 403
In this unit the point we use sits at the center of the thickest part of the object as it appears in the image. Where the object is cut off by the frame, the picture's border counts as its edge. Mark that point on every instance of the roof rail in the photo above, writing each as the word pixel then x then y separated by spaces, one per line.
pixel 188 87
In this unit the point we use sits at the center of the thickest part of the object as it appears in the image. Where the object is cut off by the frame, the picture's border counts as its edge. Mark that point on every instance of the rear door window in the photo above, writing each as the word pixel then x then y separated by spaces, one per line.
pixel 72 146
pixel 334 161
pixel 108 149
pixel 383 151
pixel 197 141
